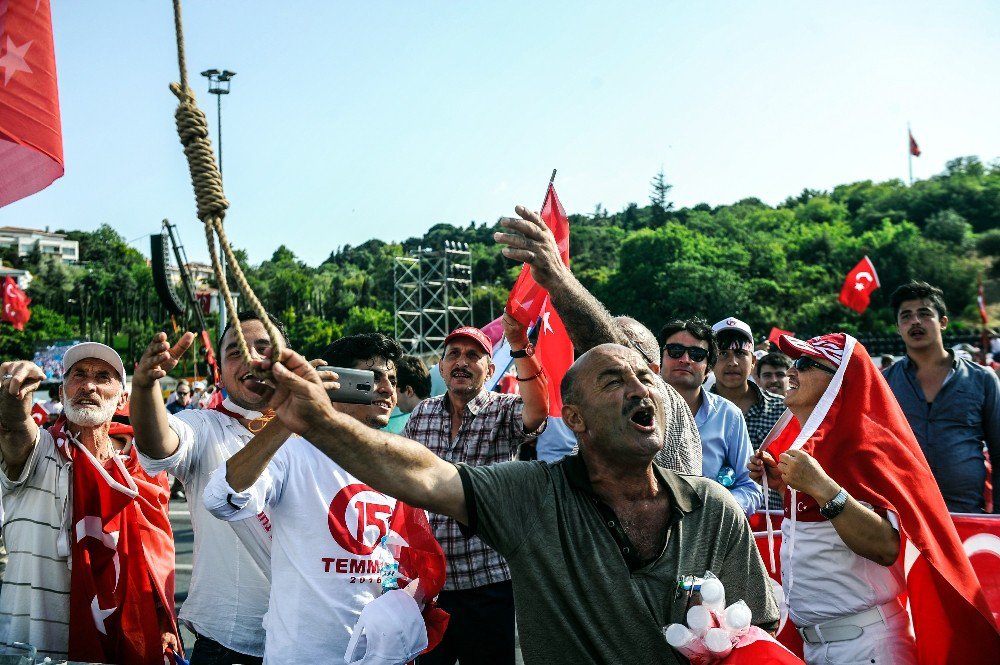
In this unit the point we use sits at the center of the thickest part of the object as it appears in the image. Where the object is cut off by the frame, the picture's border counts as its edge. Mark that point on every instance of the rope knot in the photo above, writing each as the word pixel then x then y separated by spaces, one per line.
pixel 192 128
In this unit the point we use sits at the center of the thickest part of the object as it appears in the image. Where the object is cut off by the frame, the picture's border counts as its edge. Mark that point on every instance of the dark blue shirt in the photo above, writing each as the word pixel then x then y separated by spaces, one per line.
pixel 952 430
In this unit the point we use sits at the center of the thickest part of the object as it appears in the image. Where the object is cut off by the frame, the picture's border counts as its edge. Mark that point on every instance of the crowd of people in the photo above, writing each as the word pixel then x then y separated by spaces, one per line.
pixel 411 526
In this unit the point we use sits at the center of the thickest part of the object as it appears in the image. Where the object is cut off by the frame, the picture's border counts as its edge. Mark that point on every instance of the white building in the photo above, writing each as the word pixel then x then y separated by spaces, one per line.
pixel 49 244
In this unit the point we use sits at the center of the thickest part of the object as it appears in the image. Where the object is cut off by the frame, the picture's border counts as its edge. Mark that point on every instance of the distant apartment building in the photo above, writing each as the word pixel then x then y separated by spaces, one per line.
pixel 48 244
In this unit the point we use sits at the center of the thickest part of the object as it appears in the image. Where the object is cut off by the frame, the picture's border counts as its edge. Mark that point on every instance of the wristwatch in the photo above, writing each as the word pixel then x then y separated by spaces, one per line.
pixel 835 506
pixel 526 352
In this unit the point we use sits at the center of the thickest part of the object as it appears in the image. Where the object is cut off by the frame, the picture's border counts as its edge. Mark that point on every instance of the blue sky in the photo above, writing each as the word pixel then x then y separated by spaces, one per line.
pixel 349 121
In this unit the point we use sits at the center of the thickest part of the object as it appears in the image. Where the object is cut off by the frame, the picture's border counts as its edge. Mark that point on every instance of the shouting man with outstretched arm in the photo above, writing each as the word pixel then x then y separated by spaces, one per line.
pixel 594 542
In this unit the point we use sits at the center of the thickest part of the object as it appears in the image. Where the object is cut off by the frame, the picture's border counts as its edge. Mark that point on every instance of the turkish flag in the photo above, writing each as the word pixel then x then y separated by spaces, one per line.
pixel 859 435
pixel 554 352
pixel 31 153
pixel 776 334
pixel 914 148
pixel 527 297
pixel 422 559
pixel 39 414
pixel 123 556
pixel 15 303
pixel 859 285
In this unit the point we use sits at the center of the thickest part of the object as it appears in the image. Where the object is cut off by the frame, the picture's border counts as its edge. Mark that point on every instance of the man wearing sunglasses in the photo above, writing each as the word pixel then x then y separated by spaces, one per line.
pixel 690 350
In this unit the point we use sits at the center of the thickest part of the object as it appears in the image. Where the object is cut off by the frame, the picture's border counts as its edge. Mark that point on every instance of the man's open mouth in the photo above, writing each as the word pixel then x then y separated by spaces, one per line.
pixel 642 418
pixel 461 374
pixel 383 403
pixel 253 383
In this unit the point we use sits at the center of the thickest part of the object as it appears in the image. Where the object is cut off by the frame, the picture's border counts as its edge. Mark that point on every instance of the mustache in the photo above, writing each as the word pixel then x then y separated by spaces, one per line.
pixel 633 404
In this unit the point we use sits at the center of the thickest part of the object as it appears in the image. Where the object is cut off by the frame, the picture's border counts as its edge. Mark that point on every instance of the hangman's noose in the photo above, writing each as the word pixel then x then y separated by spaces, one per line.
pixel 192 128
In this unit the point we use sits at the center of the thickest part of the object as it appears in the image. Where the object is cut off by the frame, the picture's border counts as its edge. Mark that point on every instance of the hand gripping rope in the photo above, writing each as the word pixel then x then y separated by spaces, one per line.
pixel 192 128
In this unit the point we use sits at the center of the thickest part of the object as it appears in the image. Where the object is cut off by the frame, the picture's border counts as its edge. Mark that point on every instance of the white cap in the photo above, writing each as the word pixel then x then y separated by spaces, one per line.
pixel 85 350
pixel 198 385
pixel 732 323
pixel 389 631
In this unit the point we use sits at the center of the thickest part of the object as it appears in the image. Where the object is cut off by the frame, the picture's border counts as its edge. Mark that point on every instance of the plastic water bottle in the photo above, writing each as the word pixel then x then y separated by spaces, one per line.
pixel 700 619
pixel 726 476
pixel 718 642
pixel 737 618
pixel 687 643
pixel 389 570
pixel 713 594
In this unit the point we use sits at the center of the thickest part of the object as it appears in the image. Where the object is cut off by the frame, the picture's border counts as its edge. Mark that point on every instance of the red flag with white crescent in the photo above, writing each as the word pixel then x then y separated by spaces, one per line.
pixel 527 297
pixel 39 414
pixel 914 148
pixel 859 285
pixel 981 301
pixel 31 151
pixel 15 304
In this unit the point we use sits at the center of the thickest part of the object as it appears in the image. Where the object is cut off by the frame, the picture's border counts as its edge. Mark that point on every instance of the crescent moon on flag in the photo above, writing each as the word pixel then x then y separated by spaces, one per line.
pixel 982 542
pixel 864 274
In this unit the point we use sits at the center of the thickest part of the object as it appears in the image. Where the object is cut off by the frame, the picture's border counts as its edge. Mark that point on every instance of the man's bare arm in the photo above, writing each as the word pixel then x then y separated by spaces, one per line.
pixel 148 413
pixel 18 381
pixel 244 468
pixel 399 467
pixel 534 391
pixel 587 321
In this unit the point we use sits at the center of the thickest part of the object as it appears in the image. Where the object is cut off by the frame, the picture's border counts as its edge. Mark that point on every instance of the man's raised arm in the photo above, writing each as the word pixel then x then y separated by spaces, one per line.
pixel 148 414
pixel 18 381
pixel 587 321
pixel 388 463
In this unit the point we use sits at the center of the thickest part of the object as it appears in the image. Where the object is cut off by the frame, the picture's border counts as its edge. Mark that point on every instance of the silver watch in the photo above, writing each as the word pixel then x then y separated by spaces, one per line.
pixel 835 506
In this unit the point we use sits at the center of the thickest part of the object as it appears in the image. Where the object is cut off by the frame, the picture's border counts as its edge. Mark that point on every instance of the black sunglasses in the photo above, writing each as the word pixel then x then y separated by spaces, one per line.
pixel 677 351
pixel 804 363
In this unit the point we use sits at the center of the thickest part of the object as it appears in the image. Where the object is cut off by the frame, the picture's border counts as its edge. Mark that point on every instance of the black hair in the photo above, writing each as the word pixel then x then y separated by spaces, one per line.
pixel 244 316
pixel 697 328
pixel 774 359
pixel 915 290
pixel 732 339
pixel 411 371
pixel 348 351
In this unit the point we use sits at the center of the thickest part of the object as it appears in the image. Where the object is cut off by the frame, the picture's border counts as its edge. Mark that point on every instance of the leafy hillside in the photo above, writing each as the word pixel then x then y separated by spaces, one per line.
pixel 780 265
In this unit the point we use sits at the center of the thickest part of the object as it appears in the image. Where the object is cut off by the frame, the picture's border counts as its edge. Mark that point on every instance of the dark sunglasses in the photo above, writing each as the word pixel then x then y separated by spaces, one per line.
pixel 804 363
pixel 677 351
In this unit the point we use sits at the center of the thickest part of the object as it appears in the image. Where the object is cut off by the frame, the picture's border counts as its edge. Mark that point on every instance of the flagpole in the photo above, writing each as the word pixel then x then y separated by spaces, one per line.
pixel 909 151
pixel 552 179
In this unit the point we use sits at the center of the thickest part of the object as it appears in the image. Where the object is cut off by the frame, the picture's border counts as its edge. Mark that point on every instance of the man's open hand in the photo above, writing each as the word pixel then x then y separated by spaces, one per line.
pixel 159 358
pixel 299 396
pixel 533 243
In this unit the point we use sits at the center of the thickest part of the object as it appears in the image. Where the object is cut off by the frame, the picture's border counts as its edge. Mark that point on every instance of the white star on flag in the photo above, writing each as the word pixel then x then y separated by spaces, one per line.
pixel 13 61
pixel 859 286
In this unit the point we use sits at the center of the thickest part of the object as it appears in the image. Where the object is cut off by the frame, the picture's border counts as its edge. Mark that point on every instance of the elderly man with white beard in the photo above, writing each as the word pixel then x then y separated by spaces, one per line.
pixel 76 492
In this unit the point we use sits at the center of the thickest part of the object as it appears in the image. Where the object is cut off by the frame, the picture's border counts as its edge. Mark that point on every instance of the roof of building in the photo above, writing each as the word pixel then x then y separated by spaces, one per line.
pixel 22 231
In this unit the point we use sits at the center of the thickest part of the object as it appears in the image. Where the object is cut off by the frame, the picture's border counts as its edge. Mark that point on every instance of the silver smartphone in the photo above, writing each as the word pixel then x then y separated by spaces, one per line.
pixel 357 386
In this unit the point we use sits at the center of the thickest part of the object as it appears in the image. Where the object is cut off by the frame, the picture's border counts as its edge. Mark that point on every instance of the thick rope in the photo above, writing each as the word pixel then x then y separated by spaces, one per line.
pixel 192 128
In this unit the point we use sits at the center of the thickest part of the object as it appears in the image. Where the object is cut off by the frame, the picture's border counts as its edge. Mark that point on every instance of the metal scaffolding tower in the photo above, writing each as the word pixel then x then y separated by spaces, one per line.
pixel 433 296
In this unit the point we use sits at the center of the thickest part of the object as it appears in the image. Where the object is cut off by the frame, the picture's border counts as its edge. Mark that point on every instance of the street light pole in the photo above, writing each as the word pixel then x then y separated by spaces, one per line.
pixel 218 85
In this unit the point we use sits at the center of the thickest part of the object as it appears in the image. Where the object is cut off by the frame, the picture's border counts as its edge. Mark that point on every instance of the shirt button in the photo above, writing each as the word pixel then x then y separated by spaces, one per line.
pixel 611 524
pixel 625 550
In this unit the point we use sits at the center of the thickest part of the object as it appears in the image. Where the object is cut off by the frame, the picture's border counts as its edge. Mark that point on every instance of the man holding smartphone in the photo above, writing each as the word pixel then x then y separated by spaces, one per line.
pixel 475 426
pixel 324 525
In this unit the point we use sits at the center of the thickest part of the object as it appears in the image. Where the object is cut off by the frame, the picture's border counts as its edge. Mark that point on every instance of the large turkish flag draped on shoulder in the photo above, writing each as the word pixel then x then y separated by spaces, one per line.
pixel 123 557
pixel 31 152
pixel 859 285
pixel 861 438
pixel 529 303
pixel 422 559
pixel 15 304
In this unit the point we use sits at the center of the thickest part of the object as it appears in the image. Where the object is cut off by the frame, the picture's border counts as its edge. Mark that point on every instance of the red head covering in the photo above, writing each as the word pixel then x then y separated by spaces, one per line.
pixel 859 434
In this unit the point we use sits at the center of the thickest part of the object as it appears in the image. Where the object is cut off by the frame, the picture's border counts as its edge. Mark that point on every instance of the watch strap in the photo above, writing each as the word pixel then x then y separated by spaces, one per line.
pixel 526 352
pixel 835 506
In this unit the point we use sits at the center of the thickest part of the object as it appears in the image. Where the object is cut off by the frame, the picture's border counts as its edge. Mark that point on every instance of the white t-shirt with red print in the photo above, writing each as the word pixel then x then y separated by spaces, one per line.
pixel 324 527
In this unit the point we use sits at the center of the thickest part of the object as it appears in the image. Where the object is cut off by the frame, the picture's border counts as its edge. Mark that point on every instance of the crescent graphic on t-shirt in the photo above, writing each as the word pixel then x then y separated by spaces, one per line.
pixel 359 517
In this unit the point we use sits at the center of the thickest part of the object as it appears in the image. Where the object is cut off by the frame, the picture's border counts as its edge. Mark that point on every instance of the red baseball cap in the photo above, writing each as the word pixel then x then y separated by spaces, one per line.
pixel 475 334
pixel 828 347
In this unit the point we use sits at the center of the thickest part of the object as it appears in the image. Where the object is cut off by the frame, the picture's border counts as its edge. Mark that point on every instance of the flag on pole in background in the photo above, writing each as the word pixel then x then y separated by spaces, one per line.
pixel 914 148
pixel 859 285
pixel 31 153
pixel 15 304
pixel 981 300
